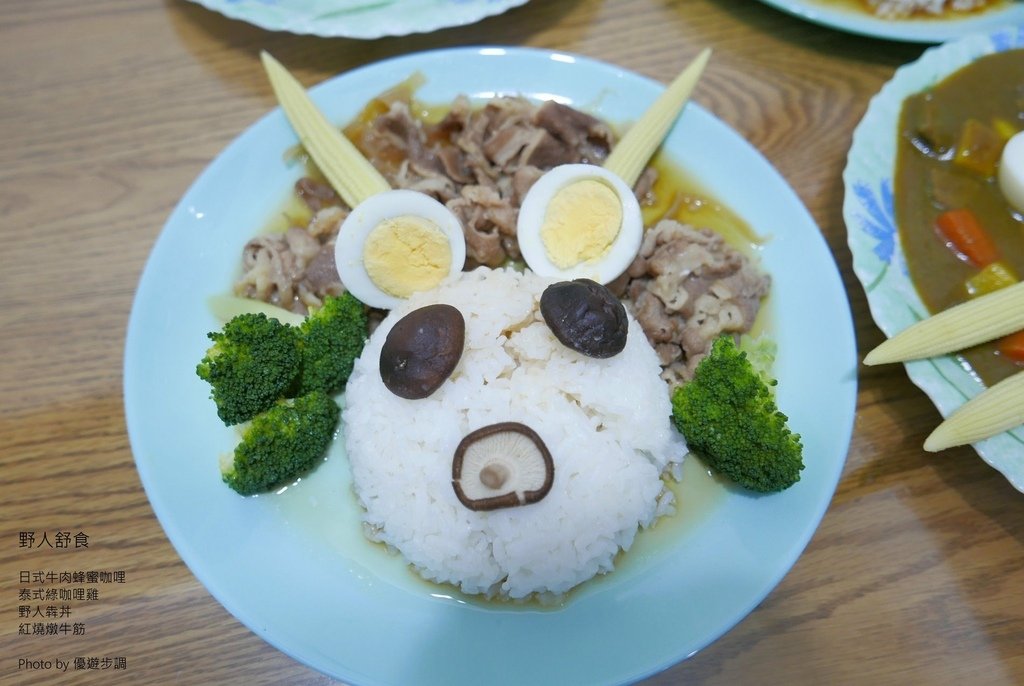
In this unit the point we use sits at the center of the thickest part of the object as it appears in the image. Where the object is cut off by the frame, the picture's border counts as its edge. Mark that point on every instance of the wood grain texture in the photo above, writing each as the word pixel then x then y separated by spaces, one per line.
pixel 108 111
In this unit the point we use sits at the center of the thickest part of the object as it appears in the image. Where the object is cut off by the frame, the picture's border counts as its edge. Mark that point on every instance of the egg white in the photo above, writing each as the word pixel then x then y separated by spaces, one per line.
pixel 613 261
pixel 1011 172
pixel 349 246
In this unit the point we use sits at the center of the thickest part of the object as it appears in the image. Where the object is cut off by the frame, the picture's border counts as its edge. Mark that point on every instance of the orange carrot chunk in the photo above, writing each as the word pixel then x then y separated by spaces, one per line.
pixel 963 233
pixel 1012 346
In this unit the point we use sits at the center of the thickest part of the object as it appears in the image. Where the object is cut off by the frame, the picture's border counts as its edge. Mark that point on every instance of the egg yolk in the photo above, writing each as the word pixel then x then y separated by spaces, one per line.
pixel 581 222
pixel 406 254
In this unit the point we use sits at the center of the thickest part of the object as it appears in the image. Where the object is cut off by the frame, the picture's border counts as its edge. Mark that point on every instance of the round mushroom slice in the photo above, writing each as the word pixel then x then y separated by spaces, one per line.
pixel 502 465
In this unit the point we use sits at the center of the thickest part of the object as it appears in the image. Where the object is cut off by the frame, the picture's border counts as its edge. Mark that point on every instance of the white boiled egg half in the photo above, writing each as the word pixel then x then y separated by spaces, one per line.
pixel 397 243
pixel 1011 172
pixel 580 221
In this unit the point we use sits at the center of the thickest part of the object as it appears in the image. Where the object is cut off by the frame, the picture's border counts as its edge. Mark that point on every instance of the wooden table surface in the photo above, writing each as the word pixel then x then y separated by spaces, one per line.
pixel 108 111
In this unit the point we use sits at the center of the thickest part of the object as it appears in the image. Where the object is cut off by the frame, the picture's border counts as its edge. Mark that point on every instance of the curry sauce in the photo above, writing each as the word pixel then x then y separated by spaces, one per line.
pixel 950 139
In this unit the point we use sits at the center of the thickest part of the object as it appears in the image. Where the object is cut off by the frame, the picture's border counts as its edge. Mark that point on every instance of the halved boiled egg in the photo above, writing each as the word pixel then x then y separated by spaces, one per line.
pixel 397 243
pixel 1011 172
pixel 580 221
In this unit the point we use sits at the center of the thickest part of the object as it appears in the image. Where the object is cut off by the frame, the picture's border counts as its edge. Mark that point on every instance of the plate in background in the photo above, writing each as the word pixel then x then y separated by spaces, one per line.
pixel 878 259
pixel 364 19
pixel 918 30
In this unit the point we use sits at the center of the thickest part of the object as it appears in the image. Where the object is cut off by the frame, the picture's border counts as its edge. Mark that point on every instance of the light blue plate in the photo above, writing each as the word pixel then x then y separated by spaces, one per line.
pixel 295 568
pixel 917 30
pixel 878 257
pixel 363 19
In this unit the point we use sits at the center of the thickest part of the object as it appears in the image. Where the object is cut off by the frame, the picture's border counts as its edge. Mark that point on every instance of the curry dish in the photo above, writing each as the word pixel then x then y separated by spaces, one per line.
pixel 946 196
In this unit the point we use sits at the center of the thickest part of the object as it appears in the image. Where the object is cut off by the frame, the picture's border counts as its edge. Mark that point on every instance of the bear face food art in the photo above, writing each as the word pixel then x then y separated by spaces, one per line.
pixel 509 435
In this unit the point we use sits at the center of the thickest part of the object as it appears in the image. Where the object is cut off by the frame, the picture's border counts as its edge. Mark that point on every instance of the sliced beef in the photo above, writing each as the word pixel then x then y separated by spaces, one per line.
pixel 477 207
pixel 523 180
pixel 325 223
pixel 316 194
pixel 294 270
pixel 686 287
pixel 545 151
pixel 454 164
pixel 321 274
pixel 504 146
pixel 589 137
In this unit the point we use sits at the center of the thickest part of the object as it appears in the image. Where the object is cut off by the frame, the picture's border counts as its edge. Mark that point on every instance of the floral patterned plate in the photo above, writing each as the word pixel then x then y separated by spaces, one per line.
pixel 359 18
pixel 878 258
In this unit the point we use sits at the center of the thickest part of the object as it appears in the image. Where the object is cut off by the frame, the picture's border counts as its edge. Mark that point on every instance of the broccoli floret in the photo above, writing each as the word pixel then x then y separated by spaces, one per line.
pixel 728 415
pixel 280 379
pixel 282 443
pixel 253 361
pixel 330 340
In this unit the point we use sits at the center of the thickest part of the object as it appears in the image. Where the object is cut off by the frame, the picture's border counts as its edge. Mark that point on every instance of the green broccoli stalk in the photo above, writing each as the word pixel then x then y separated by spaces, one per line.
pixel 253 361
pixel 728 416
pixel 330 339
pixel 282 443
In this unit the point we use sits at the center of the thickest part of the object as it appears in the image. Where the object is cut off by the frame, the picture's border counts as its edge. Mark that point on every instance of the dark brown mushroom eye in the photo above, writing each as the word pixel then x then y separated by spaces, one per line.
pixel 502 465
pixel 586 317
pixel 422 350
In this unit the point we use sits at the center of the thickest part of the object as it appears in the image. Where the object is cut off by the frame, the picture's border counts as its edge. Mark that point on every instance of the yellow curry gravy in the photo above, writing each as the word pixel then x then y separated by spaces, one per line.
pixel 986 95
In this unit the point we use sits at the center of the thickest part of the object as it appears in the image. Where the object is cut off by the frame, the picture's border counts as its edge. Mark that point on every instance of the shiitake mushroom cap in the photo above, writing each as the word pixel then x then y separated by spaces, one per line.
pixel 586 317
pixel 502 465
pixel 422 350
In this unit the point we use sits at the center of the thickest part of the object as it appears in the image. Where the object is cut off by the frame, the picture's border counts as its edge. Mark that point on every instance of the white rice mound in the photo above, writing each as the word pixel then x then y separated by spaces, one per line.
pixel 605 422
